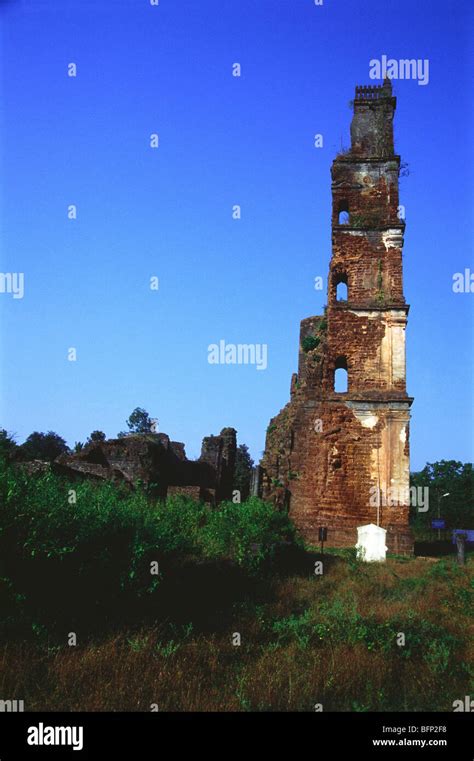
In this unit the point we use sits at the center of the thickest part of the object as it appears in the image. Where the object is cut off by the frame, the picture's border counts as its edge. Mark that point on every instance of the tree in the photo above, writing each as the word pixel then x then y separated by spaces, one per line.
pixel 451 490
pixel 8 445
pixel 96 436
pixel 43 446
pixel 139 421
pixel 243 471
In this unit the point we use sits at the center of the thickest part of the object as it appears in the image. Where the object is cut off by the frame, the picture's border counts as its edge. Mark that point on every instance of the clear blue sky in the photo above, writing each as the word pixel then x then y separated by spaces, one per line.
pixel 168 212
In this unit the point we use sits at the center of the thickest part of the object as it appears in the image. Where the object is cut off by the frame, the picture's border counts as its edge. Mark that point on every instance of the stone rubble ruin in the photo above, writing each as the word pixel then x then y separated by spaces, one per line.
pixel 159 464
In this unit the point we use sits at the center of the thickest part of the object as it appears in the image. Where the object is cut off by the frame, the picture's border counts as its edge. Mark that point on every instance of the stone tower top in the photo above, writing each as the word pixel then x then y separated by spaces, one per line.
pixel 372 123
pixel 374 92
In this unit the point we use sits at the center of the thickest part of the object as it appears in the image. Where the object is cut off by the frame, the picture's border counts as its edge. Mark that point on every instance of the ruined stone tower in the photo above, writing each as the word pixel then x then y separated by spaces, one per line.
pixel 340 459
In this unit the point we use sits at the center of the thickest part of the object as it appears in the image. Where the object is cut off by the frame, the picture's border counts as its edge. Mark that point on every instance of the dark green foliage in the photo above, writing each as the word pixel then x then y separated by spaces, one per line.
pixel 243 471
pixel 96 436
pixel 81 553
pixel 310 342
pixel 333 637
pixel 445 477
pixel 139 421
pixel 8 446
pixel 246 532
pixel 43 446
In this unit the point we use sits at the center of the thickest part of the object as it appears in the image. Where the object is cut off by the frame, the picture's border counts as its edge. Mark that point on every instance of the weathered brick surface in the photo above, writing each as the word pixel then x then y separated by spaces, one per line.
pixel 326 450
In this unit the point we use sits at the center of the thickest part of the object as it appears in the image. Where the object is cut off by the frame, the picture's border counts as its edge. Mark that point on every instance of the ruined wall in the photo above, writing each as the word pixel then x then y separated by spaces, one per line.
pixel 160 464
pixel 327 452
pixel 219 453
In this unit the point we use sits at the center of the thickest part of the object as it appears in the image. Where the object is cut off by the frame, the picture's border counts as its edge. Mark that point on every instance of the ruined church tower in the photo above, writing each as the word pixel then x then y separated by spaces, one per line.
pixel 339 457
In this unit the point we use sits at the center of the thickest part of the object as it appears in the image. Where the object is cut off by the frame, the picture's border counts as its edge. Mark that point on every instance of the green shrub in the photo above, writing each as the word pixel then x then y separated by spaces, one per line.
pixel 247 533
pixel 310 342
pixel 82 552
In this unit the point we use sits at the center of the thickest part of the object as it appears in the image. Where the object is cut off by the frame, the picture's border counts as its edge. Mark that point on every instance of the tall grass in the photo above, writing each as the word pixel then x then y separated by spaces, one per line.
pixel 304 641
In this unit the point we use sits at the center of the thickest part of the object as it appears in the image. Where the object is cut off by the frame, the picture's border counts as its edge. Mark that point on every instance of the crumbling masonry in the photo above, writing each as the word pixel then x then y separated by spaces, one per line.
pixel 329 454
pixel 157 463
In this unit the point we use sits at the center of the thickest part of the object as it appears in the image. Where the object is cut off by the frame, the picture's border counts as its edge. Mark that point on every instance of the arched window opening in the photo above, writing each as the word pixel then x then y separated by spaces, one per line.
pixel 341 378
pixel 343 213
pixel 341 291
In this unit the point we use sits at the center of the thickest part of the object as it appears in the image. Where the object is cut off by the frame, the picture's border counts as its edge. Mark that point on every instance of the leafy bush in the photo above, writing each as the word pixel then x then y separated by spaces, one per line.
pixel 246 532
pixel 83 551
